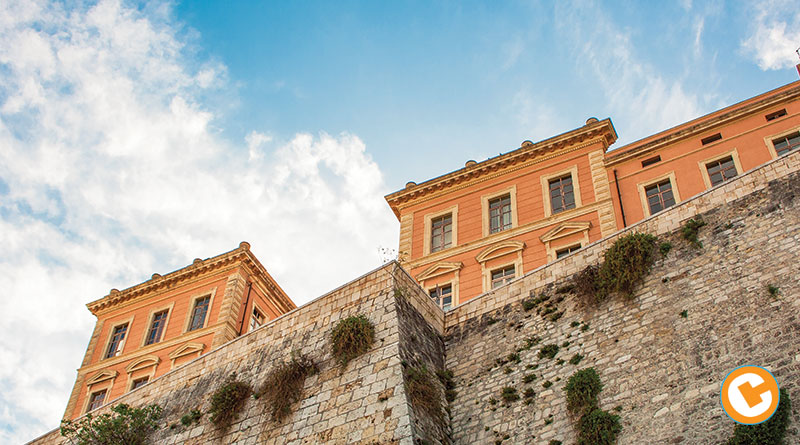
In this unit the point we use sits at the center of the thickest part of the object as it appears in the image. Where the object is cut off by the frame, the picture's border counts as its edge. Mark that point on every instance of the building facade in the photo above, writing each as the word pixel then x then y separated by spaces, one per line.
pixel 472 230
pixel 146 330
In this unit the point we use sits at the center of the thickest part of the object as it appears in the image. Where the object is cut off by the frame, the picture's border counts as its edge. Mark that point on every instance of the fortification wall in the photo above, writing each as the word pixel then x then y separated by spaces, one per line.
pixel 661 369
pixel 365 403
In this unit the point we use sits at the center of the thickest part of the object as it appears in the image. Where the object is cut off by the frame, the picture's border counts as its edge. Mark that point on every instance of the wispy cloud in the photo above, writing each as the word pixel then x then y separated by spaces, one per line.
pixel 110 170
pixel 636 92
pixel 775 34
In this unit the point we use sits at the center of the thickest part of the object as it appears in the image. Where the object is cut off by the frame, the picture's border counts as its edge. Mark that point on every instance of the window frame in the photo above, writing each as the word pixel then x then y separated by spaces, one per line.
pixel 133 386
pixel 703 165
pixel 486 220
pixel 569 248
pixel 576 190
pixel 149 324
pixel 506 280
pixel 255 308
pixel 106 390
pixel 653 181
pixel 453 289
pixel 190 310
pixel 426 248
pixel 768 141
pixel 110 332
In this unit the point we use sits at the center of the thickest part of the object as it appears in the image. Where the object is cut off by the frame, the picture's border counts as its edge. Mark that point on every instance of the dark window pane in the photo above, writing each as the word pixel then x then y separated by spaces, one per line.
pixel 96 400
pixel 117 341
pixel 502 276
pixel 441 233
pixel 721 170
pixel 199 313
pixel 659 196
pixel 500 214
pixel 156 328
pixel 139 382
pixel 564 252
pixel 787 143
pixel 561 194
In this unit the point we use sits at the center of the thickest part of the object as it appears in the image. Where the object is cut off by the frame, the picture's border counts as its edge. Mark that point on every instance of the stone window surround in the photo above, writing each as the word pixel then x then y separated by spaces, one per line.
pixel 576 189
pixel 439 269
pixel 734 154
pixel 643 195
pixel 256 307
pixel 494 252
pixel 426 247
pixel 190 312
pixel 149 324
pixel 104 351
pixel 142 363
pixel 453 289
pixel 768 140
pixel 184 350
pixel 512 193
pixel 101 381
pixel 563 230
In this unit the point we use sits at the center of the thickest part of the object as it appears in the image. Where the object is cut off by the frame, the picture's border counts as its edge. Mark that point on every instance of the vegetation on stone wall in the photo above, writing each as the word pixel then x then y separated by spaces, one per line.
pixel 284 384
pixel 191 417
pixel 626 263
pixel 770 432
pixel 422 392
pixel 595 426
pixel 690 229
pixel 228 400
pixel 124 425
pixel 352 337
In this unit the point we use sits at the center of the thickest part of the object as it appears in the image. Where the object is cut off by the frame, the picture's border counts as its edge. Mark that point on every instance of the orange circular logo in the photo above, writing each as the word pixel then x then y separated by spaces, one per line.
pixel 749 395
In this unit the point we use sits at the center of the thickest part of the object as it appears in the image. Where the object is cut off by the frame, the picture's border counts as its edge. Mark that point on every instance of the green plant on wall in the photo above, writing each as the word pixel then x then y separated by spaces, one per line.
pixel 284 384
pixel 595 426
pixel 770 432
pixel 422 392
pixel 582 389
pixel 352 337
pixel 690 230
pixel 123 426
pixel 191 417
pixel 228 400
pixel 626 263
pixel 598 427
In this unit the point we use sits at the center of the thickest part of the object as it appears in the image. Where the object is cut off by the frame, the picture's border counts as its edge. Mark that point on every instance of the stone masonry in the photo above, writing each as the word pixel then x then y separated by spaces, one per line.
pixel 661 356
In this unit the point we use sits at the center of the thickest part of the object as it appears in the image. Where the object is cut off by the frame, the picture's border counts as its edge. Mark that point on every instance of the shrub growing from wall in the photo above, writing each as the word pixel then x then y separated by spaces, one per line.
pixel 352 337
pixel 284 384
pixel 228 400
pixel 124 425
pixel 770 432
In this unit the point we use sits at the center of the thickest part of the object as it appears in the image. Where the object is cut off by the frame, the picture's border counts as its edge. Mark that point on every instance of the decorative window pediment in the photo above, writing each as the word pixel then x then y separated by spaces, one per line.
pixel 499 249
pixel 440 268
pixel 188 348
pixel 565 229
pixel 102 376
pixel 143 363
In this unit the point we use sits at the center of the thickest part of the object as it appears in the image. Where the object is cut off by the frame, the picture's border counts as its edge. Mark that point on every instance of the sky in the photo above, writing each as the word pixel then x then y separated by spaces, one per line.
pixel 135 137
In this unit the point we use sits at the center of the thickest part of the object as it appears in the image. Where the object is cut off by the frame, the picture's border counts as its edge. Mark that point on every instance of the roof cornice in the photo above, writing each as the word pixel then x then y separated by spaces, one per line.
pixel 160 283
pixel 704 124
pixel 594 129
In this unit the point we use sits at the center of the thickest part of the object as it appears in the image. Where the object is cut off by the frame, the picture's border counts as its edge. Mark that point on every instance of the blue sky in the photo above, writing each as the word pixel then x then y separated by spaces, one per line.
pixel 135 137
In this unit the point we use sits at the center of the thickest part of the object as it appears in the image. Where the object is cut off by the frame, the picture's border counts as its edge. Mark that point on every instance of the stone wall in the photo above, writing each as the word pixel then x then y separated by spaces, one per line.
pixel 661 370
pixel 364 403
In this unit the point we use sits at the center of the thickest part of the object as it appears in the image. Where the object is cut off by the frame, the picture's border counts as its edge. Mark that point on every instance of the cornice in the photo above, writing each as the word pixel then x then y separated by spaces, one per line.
pixel 704 124
pixel 198 269
pixel 475 172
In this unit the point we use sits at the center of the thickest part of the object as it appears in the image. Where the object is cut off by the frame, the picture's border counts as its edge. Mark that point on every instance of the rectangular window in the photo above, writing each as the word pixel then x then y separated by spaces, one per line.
pixel 500 214
pixel 502 276
pixel 775 115
pixel 786 143
pixel 659 196
pixel 651 161
pixel 443 296
pixel 441 232
pixel 156 328
pixel 566 251
pixel 562 196
pixel 139 382
pixel 710 139
pixel 721 170
pixel 199 313
pixel 117 341
pixel 96 400
pixel 256 319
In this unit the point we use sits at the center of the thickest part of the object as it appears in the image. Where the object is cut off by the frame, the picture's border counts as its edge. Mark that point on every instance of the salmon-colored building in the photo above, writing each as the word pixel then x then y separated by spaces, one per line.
pixel 146 330
pixel 479 227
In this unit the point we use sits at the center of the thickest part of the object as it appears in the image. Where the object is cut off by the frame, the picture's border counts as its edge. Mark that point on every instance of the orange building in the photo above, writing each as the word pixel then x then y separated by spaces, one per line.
pixel 479 227
pixel 146 330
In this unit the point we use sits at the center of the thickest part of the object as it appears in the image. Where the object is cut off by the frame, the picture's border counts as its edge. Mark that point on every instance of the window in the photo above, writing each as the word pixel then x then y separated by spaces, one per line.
pixel 139 382
pixel 441 232
pixel 721 170
pixel 659 196
pixel 775 115
pixel 96 400
pixel 710 139
pixel 256 319
pixel 156 328
pixel 199 313
pixel 117 341
pixel 567 250
pixel 502 276
pixel 443 296
pixel 500 214
pixel 562 196
pixel 787 143
pixel 651 161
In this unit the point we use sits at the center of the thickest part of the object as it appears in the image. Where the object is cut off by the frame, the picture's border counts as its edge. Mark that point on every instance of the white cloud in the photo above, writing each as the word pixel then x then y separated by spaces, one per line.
pixel 109 171
pixel 775 35
pixel 637 94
